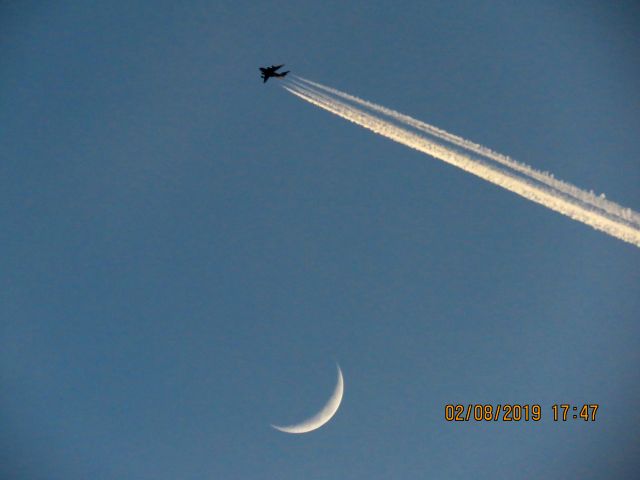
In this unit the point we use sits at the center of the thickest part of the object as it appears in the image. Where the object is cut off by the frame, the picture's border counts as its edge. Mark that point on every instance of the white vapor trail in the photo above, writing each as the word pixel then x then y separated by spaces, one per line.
pixel 521 179
pixel 599 202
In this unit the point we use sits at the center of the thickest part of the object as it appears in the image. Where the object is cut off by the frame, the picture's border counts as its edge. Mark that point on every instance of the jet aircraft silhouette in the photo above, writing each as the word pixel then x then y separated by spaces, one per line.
pixel 268 72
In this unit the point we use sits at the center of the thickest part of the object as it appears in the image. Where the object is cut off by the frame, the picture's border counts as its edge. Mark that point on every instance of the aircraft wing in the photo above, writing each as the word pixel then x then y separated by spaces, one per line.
pixel 275 67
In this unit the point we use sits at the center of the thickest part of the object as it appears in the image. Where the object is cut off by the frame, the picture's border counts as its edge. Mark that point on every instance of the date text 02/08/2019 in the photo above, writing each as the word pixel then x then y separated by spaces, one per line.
pixel 515 412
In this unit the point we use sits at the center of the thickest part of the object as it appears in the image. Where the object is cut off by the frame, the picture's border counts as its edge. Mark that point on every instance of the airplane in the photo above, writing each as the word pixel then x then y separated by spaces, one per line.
pixel 271 72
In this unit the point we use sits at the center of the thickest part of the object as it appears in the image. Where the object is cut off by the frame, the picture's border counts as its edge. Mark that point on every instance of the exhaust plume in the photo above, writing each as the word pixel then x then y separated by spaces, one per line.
pixel 498 169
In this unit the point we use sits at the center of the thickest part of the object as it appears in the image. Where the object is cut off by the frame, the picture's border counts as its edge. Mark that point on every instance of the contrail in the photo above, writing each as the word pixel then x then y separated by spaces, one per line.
pixel 531 188
pixel 599 202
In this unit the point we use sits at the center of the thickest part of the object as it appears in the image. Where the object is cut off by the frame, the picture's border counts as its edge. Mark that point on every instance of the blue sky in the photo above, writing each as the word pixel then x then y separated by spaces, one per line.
pixel 187 252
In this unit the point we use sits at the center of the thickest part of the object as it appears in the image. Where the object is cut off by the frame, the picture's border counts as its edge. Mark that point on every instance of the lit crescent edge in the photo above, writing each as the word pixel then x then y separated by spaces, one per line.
pixel 323 416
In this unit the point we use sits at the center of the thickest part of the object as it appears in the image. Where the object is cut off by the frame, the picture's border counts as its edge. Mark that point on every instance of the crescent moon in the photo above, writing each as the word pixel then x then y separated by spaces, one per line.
pixel 323 416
